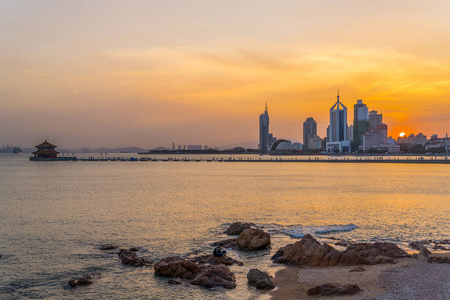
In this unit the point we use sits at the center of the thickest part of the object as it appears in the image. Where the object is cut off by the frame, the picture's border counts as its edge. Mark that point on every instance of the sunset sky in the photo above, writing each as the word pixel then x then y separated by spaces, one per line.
pixel 149 73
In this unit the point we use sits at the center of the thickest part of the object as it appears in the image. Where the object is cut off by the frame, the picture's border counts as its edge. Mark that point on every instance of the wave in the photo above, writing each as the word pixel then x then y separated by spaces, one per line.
pixel 301 231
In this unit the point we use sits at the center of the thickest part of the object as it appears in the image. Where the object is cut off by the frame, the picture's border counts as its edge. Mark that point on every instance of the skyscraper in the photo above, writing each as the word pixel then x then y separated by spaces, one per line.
pixel 375 119
pixel 337 140
pixel 309 129
pixel 360 123
pixel 264 131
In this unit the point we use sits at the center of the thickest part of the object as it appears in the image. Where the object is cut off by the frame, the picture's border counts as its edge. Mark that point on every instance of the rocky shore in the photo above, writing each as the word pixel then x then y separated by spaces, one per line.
pixel 314 270
pixel 379 271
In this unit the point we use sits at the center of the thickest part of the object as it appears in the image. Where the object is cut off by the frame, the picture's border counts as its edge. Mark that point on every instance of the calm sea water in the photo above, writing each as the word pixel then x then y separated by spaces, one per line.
pixel 54 216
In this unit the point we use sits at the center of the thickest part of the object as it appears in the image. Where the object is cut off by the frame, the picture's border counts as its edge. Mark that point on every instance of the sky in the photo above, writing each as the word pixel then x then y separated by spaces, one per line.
pixel 107 73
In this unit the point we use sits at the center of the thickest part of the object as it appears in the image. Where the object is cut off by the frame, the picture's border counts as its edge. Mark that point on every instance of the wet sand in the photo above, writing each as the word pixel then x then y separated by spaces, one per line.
pixel 409 278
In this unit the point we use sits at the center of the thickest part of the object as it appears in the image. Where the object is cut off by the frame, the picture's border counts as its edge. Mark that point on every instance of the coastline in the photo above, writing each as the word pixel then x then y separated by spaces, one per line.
pixel 409 278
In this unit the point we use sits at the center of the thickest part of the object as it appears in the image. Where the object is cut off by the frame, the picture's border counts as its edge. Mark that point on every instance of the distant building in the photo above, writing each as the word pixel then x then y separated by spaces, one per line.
pixel 374 138
pixel 337 133
pixel 194 147
pixel 264 131
pixel 375 119
pixel 360 123
pixel 350 133
pixel 173 146
pixel 282 146
pixel 45 151
pixel 315 142
pixel 309 129
pixel 413 139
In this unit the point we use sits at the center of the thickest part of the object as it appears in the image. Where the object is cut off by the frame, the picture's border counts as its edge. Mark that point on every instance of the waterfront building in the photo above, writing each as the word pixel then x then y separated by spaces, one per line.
pixel 315 142
pixel 360 123
pixel 337 133
pixel 45 151
pixel 309 129
pixel 264 131
pixel 375 119
pixel 375 138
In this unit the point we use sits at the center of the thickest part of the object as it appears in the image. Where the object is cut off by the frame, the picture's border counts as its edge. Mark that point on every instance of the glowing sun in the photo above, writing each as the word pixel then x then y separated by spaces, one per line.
pixel 402 134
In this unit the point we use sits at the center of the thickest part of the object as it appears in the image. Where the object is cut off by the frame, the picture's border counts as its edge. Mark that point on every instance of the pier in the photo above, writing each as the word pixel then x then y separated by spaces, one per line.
pixel 277 159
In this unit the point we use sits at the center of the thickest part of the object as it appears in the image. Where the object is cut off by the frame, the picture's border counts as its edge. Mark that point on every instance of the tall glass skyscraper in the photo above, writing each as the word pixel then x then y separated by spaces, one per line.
pixel 360 123
pixel 337 133
pixel 264 131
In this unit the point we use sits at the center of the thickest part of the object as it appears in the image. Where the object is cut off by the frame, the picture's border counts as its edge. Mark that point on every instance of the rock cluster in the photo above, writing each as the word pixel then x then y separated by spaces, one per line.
pixel 331 289
pixel 131 258
pixel 253 239
pixel 260 280
pixel 198 274
pixel 86 279
pixel 237 228
pixel 308 251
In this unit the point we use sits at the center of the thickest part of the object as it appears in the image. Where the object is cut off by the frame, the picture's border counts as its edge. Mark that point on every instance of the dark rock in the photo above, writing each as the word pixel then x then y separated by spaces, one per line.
pixel 376 253
pixel 107 247
pixel 378 260
pixel 237 228
pixel 215 276
pixel 131 258
pixel 435 247
pixel 358 269
pixel 342 243
pixel 134 249
pixel 253 239
pixel 177 267
pixel 308 251
pixel 441 259
pixel 260 280
pixel 175 281
pixel 331 289
pixel 86 279
pixel 208 276
pixel 425 252
pixel 228 243
pixel 416 245
pixel 212 260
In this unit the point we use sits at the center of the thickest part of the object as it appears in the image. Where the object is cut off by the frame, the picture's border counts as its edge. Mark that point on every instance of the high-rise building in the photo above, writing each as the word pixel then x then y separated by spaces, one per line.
pixel 375 119
pixel 309 129
pixel 360 123
pixel 337 134
pixel 264 131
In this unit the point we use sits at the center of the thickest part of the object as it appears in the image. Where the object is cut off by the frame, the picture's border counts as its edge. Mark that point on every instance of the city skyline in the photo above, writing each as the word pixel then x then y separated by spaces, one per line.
pixel 152 73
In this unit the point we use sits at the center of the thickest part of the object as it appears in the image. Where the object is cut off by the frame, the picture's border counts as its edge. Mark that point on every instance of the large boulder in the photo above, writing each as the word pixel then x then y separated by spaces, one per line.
pixel 131 258
pixel 253 239
pixel 177 267
pixel 215 276
pixel 308 251
pixel 376 253
pixel 260 280
pixel 237 228
pixel 331 289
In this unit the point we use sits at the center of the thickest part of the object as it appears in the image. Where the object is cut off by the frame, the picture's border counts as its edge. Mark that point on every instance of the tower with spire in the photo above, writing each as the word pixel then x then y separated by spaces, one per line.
pixel 337 135
pixel 264 131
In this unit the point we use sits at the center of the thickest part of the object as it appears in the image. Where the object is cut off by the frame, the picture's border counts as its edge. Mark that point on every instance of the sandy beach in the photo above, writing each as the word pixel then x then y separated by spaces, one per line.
pixel 409 278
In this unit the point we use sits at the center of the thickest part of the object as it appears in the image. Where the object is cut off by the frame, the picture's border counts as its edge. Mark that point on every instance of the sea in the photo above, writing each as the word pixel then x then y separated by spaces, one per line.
pixel 54 216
